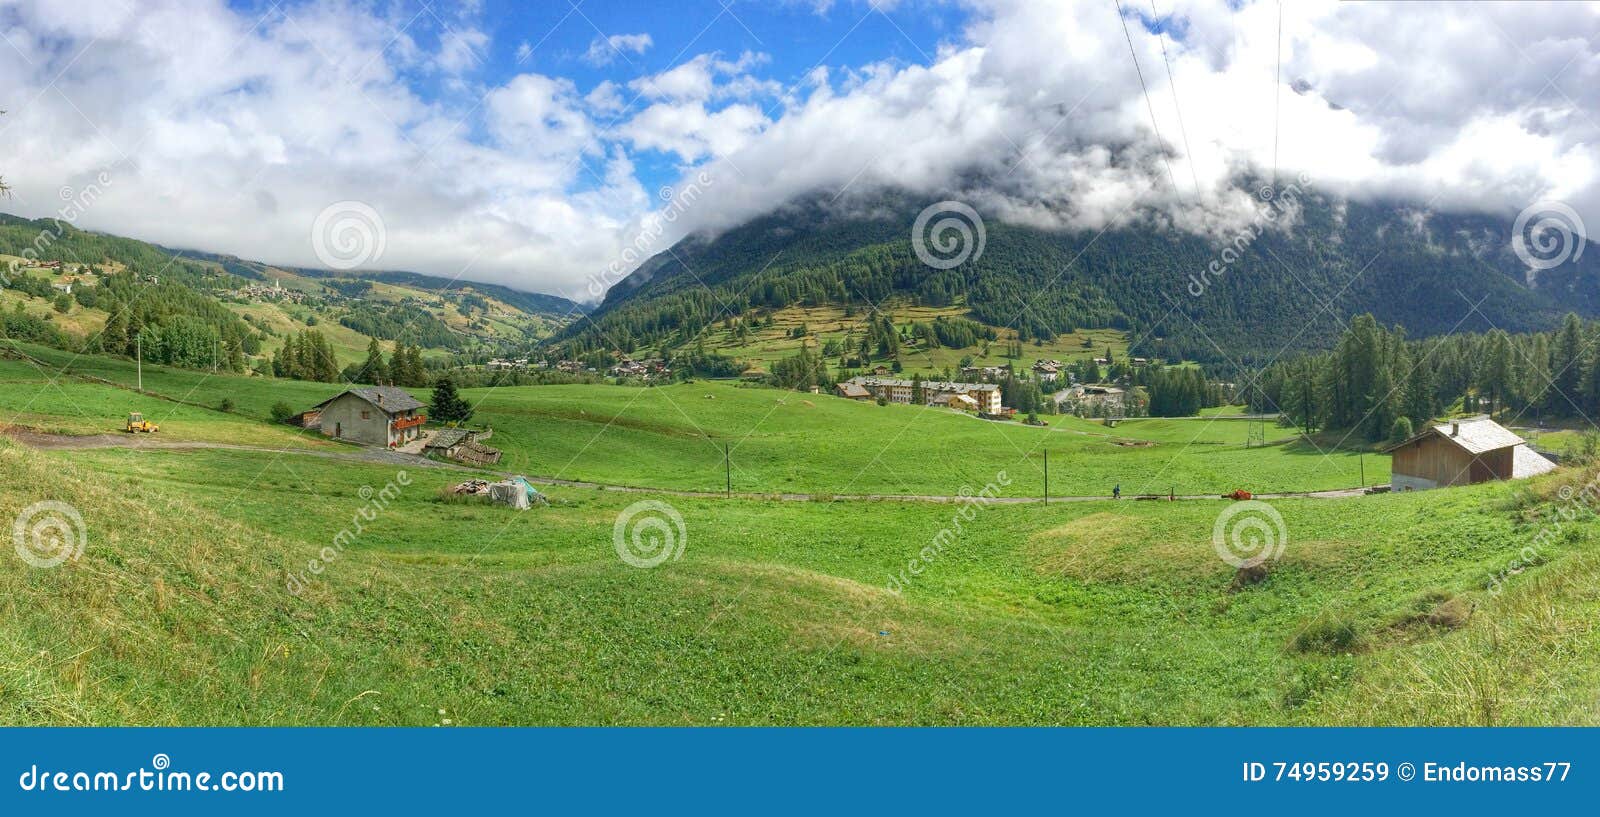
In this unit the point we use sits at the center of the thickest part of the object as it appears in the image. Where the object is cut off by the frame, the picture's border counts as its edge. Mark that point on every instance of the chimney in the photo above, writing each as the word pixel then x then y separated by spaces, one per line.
pixel 1455 429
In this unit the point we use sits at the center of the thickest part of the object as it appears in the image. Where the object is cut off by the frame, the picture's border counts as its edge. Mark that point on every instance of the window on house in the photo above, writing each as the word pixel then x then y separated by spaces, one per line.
pixel 366 415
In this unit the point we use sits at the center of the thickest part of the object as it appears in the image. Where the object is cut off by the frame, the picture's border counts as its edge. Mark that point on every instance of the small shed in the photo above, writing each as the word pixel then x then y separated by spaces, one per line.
pixel 461 445
pixel 1462 452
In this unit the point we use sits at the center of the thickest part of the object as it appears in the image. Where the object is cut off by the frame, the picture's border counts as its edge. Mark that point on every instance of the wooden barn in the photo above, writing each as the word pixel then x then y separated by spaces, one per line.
pixel 1462 452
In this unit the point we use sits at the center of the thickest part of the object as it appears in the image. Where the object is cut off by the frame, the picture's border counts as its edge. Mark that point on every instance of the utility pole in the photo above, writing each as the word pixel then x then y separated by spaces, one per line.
pixel 1361 457
pixel 214 343
pixel 727 467
pixel 1047 476
pixel 138 357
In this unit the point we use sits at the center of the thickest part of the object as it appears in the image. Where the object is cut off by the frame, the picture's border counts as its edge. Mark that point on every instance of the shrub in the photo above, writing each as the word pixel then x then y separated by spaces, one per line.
pixel 226 405
pixel 1329 633
pixel 1401 430
pixel 281 412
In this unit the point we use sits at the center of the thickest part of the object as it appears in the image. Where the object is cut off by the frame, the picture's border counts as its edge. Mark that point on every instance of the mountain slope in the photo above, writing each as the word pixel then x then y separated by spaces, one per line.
pixel 252 305
pixel 1288 288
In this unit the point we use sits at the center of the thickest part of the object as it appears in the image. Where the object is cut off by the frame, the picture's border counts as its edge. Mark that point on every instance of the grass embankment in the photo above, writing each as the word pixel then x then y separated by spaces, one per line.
pixel 777 613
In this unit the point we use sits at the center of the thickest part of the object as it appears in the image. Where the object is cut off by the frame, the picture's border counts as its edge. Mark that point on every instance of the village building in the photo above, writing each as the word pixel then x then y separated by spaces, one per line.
pixel 852 391
pixel 1047 371
pixel 501 363
pixel 934 392
pixel 1462 452
pixel 652 367
pixel 1091 397
pixel 378 415
pixel 986 373
pixel 461 445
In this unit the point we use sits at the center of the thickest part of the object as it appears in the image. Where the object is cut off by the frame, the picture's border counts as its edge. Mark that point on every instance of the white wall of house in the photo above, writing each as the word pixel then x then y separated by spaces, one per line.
pixel 351 418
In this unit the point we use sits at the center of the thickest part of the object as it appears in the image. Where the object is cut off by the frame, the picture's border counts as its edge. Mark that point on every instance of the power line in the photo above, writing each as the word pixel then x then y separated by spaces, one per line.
pixel 1175 105
pixel 1150 106
pixel 1277 99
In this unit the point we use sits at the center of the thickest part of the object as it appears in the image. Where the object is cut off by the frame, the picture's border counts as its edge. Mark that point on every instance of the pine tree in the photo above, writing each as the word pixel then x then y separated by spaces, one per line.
pixel 447 405
pixel 1566 365
pixel 374 370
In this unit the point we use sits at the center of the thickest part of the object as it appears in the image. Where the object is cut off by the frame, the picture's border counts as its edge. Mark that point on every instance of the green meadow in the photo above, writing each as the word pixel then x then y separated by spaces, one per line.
pixel 438 612
pixel 228 586
pixel 673 437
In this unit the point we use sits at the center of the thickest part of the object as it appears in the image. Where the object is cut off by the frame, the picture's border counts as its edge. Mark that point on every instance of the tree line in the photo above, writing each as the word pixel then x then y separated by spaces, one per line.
pixel 1378 384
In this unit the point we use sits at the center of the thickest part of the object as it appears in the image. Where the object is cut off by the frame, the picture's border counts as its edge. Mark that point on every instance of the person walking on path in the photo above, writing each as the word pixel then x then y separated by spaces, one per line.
pixel 1116 492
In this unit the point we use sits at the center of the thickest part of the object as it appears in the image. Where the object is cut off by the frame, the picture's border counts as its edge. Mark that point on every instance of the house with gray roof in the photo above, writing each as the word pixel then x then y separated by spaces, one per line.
pixel 1462 452
pixel 377 415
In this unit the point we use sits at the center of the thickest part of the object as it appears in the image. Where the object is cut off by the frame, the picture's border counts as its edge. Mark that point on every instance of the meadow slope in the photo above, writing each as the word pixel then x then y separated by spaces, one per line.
pixel 179 609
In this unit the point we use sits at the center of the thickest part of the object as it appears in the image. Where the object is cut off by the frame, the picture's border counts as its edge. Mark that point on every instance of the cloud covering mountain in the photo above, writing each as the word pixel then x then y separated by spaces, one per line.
pixel 232 128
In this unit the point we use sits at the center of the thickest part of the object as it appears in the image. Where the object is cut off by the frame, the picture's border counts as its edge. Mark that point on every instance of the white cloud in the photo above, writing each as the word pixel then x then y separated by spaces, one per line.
pixel 1039 117
pixel 461 50
pixel 605 49
pixel 224 133
pixel 693 132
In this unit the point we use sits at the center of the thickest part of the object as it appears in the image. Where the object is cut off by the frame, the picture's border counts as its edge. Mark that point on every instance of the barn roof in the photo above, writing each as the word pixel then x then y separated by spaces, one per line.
pixel 1527 462
pixel 1475 436
pixel 447 437
pixel 389 399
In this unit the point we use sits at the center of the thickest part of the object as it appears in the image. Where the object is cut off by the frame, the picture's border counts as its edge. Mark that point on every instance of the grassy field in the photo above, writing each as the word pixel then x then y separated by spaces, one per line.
pixel 673 437
pixel 776 613
pixel 29 399
pixel 193 602
pixel 825 323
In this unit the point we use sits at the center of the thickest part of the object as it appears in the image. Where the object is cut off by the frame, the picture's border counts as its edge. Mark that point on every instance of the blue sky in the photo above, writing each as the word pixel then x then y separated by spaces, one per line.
pixel 560 38
pixel 509 142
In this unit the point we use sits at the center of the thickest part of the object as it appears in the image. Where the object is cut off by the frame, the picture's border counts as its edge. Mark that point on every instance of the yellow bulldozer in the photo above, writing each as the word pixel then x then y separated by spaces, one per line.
pixel 137 423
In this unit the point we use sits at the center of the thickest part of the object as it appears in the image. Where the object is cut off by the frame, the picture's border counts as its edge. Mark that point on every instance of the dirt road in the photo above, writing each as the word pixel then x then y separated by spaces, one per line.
pixel 62 442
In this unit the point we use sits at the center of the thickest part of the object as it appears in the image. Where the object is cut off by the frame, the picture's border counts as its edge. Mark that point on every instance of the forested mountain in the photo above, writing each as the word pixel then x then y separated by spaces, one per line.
pixel 1289 289
pixel 537 303
pixel 100 293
